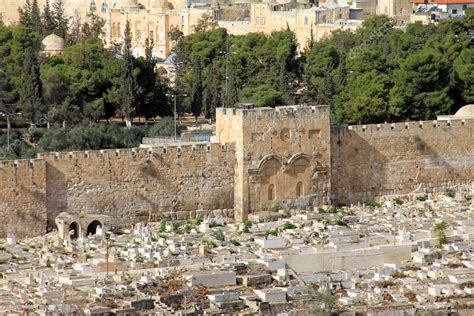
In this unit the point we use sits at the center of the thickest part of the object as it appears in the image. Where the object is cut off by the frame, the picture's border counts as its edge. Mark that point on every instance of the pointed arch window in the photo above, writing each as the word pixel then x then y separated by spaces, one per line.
pixel 93 6
pixel 299 189
pixel 105 7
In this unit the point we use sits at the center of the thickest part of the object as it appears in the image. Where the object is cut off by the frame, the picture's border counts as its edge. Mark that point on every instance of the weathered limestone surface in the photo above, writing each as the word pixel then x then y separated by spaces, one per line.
pixel 128 185
pixel 384 159
pixel 262 160
pixel 23 197
pixel 283 156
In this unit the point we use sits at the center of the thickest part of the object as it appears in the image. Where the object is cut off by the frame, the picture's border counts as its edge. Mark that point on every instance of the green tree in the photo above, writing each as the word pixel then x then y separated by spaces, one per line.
pixel 61 21
pixel 31 98
pixel 30 16
pixel 212 93
pixel 197 96
pixel 262 96
pixel 464 69
pixel 49 24
pixel 152 100
pixel 128 97
pixel 232 96
pixel 365 99
pixel 440 231
pixel 421 86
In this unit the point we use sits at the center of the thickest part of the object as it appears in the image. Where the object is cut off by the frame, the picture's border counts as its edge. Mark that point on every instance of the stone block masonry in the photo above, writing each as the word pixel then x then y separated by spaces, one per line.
pixel 369 161
pixel 130 185
pixel 23 197
pixel 260 160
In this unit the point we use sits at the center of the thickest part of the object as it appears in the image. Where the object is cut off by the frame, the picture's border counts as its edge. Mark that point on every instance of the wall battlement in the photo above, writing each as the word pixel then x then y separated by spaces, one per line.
pixel 410 127
pixel 280 111
pixel 245 169
pixel 155 151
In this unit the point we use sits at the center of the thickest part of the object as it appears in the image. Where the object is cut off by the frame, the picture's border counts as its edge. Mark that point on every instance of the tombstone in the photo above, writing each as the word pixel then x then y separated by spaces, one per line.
pixel 11 239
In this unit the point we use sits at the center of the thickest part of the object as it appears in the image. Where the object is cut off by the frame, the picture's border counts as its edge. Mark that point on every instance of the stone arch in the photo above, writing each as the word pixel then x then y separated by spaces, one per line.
pixel 92 227
pixel 93 6
pixel 298 164
pixel 268 160
pixel 297 156
pixel 74 230
pixel 105 6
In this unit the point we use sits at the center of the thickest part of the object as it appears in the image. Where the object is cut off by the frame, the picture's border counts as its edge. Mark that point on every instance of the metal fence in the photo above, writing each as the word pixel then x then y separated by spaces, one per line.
pixel 179 139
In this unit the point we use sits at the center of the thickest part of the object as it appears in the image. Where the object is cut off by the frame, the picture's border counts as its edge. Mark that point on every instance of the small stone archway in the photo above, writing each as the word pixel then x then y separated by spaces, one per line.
pixel 79 225
pixel 74 230
pixel 92 227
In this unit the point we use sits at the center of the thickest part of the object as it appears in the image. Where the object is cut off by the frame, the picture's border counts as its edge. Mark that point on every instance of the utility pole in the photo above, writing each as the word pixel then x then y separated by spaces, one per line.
pixel 107 237
pixel 175 95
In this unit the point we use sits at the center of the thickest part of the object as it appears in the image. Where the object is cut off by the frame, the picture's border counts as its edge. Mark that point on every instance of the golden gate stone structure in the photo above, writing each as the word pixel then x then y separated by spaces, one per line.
pixel 262 159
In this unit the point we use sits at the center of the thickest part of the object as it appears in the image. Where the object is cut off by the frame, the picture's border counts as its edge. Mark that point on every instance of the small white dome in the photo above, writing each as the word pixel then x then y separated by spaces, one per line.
pixel 466 111
pixel 53 43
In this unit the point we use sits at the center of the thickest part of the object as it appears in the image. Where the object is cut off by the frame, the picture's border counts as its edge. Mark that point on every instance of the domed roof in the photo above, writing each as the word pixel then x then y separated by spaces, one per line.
pixel 53 43
pixel 466 111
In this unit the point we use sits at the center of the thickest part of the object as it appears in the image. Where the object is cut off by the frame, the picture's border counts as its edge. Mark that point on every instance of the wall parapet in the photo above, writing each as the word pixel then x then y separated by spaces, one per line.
pixel 432 125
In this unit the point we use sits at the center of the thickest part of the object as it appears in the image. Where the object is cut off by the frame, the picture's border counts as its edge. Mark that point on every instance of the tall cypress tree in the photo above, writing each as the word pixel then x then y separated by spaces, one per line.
pixel 129 85
pixel 25 13
pixel 232 90
pixel 49 25
pixel 60 19
pixel 197 98
pixel 213 94
pixel 31 97
pixel 36 24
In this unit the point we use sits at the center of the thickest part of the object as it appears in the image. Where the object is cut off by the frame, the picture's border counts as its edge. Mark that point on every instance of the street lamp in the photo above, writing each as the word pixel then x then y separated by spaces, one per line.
pixel 176 95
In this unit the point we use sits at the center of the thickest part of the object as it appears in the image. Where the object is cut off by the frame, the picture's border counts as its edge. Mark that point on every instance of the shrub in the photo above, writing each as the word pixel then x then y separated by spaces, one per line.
pixel 187 228
pixel 235 242
pixel 288 225
pixel 450 193
pixel 321 210
pixel 397 201
pixel 162 228
pixel 372 204
pixel 340 222
pixel 272 231
pixel 421 198
pixel 177 228
pixel 219 236
pixel 214 223
pixel 199 221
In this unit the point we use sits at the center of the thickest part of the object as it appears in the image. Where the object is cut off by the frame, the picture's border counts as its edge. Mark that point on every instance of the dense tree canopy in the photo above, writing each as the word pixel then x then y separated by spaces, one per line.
pixel 377 73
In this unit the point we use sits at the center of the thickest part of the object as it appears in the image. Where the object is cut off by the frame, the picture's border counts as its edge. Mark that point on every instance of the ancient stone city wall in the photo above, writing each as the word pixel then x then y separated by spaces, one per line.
pixel 23 197
pixel 369 161
pixel 128 185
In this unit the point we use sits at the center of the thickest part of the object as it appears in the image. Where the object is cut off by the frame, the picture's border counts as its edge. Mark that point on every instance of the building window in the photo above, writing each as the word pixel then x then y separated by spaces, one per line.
pixel 305 20
pixel 105 7
pixel 299 189
pixel 151 36
pixel 93 6
pixel 263 21
pixel 464 6
pixel 454 11
pixel 119 31
pixel 271 192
